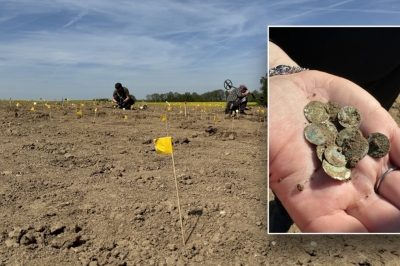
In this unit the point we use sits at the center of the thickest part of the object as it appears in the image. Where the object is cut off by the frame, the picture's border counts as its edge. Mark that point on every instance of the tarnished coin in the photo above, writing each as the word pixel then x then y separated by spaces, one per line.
pixel 332 109
pixel 334 156
pixel 315 112
pixel 340 173
pixel 340 151
pixel 349 116
pixel 379 145
pixel 346 133
pixel 329 131
pixel 355 149
pixel 314 134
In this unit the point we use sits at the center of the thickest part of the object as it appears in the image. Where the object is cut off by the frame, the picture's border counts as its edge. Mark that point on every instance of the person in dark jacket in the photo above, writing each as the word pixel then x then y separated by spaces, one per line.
pixel 122 97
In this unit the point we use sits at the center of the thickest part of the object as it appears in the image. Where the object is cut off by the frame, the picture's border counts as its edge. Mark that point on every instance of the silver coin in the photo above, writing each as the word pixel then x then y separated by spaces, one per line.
pixel 334 156
pixel 346 133
pixel 315 112
pixel 332 109
pixel 340 173
pixel 378 145
pixel 349 116
pixel 355 147
pixel 314 134
pixel 330 132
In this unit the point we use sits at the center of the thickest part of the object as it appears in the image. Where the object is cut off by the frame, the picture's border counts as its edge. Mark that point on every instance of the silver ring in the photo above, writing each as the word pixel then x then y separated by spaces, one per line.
pixel 284 70
pixel 382 177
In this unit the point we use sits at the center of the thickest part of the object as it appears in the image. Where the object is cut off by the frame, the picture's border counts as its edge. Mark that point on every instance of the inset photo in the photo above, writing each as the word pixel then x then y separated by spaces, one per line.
pixel 334 137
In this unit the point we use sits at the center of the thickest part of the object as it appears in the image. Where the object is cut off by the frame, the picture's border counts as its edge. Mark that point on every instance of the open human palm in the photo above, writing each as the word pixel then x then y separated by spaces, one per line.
pixel 325 204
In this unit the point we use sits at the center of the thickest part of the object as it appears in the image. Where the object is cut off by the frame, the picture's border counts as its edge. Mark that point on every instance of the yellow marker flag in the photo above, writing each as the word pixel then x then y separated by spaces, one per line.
pixel 17 104
pixel 180 111
pixel 169 108
pixel 48 106
pixel 163 145
pixel 164 118
pixel 82 104
pixel 95 110
pixel 125 117
pixel 215 118
pixel 32 108
pixel 262 111
pixel 79 113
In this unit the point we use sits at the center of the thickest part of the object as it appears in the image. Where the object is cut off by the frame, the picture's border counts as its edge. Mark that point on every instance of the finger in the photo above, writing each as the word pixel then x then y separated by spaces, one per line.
pixel 339 222
pixel 376 214
pixel 389 188
pixel 394 152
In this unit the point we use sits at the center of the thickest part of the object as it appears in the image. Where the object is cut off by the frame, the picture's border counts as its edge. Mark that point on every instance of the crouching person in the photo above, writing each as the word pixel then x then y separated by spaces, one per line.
pixel 122 97
pixel 237 100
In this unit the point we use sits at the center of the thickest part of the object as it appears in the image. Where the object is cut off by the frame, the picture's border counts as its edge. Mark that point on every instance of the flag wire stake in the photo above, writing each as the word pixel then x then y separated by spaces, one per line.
pixel 177 196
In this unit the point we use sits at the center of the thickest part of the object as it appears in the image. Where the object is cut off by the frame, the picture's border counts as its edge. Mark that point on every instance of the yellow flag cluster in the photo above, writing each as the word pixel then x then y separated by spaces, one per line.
pixel 164 118
pixel 79 113
pixel 48 105
pixel 163 145
pixel 32 108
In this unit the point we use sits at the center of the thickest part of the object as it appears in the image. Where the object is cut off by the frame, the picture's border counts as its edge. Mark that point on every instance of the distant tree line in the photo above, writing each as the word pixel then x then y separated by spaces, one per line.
pixel 264 89
pixel 212 96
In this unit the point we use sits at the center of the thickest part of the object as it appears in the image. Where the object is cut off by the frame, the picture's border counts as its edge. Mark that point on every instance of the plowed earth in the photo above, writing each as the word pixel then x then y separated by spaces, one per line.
pixel 92 190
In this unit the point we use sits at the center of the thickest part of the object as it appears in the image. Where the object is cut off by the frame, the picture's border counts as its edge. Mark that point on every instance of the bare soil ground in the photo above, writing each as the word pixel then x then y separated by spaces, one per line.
pixel 93 191
pixel 74 192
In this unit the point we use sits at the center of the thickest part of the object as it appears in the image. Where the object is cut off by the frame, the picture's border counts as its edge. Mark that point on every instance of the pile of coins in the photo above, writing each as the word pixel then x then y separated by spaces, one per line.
pixel 340 144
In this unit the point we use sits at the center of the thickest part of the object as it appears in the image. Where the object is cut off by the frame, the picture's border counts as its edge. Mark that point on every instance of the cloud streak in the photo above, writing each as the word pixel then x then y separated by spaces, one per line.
pixel 155 45
pixel 77 18
pixel 304 12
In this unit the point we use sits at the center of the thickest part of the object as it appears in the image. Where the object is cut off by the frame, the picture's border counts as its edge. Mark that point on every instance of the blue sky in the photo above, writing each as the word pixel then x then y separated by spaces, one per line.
pixel 78 49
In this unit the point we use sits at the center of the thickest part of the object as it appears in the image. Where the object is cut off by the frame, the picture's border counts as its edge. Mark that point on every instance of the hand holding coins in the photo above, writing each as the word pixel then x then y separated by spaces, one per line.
pixel 340 144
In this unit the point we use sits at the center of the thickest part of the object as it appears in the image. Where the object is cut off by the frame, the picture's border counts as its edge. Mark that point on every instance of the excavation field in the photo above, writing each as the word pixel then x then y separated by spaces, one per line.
pixel 82 184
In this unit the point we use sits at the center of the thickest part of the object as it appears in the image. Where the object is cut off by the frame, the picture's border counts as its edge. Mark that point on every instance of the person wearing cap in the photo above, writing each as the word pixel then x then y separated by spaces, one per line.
pixel 122 97
pixel 237 100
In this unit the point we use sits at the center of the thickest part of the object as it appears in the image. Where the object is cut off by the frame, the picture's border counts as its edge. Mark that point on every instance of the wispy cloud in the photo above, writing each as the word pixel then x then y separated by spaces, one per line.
pixel 69 42
pixel 306 12
pixel 76 18
pixel 158 46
